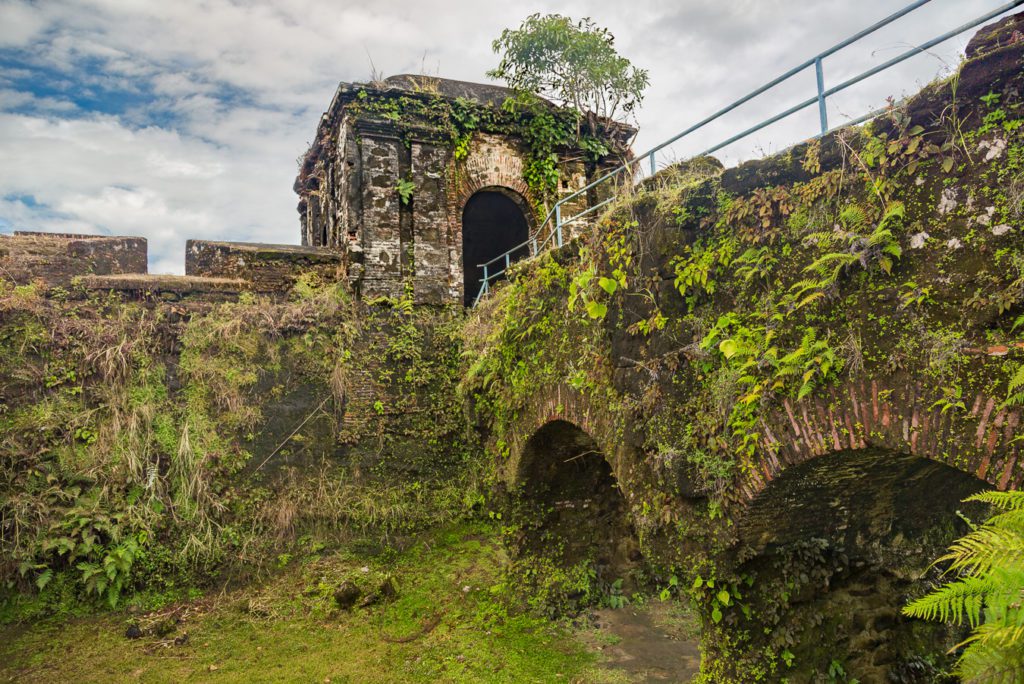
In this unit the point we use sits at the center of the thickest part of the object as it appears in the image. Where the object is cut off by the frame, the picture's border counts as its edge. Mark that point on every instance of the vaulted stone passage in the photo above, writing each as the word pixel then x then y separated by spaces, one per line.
pixel 493 222
pixel 571 511
pixel 833 548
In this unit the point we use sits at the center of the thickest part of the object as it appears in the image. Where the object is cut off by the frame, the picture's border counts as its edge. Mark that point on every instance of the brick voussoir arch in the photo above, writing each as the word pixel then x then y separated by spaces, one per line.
pixel 559 403
pixel 493 163
pixel 896 416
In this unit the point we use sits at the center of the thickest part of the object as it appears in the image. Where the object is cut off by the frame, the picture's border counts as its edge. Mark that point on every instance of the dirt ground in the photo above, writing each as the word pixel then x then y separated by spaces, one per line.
pixel 655 642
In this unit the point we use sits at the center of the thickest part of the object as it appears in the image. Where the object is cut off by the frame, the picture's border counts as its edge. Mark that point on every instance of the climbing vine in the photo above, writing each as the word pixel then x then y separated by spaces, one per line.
pixel 547 130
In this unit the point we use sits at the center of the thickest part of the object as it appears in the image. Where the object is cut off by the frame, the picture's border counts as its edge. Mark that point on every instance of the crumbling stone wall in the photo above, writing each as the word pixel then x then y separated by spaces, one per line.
pixel 57 258
pixel 367 146
pixel 265 268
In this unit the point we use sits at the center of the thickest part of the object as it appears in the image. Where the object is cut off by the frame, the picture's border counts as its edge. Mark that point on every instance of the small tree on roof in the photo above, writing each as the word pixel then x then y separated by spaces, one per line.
pixel 572 63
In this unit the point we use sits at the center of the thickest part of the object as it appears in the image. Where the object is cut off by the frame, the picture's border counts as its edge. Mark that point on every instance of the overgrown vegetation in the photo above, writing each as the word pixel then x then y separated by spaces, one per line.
pixel 886 253
pixel 985 592
pixel 131 432
pixel 547 131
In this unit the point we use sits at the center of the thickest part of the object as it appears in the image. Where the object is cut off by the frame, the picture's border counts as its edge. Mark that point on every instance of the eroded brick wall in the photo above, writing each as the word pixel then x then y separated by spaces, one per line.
pixel 57 258
pixel 268 268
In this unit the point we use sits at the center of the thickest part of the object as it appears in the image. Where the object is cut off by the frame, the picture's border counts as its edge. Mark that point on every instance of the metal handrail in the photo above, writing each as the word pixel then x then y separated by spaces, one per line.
pixel 819 98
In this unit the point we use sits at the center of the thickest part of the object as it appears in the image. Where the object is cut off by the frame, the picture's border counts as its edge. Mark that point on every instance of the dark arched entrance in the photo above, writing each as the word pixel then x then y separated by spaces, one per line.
pixel 492 224
pixel 834 546
pixel 572 520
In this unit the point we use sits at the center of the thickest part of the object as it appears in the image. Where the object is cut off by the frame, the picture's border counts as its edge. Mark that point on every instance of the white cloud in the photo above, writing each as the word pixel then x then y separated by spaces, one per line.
pixel 20 23
pixel 222 97
pixel 14 99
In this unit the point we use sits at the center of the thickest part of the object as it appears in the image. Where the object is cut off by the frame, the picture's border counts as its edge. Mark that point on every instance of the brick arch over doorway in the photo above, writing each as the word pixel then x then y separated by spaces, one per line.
pixel 494 164
pixel 494 222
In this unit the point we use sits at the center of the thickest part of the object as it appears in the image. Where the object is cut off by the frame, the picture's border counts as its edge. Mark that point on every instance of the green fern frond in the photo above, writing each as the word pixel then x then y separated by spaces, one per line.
pixel 880 236
pixel 1008 520
pixel 1006 501
pixel 989 594
pixel 894 213
pixel 998 634
pixel 824 238
pixel 985 548
pixel 828 266
pixel 853 218
pixel 991 664
pixel 1013 396
pixel 801 286
pixel 953 601
pixel 814 296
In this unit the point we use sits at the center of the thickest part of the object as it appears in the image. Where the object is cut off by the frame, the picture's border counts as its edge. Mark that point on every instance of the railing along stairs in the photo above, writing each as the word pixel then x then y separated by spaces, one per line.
pixel 495 268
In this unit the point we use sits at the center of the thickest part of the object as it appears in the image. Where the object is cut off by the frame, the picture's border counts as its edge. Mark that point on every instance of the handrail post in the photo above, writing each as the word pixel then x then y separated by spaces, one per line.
pixel 558 224
pixel 822 109
pixel 507 263
pixel 654 168
pixel 485 278
pixel 533 246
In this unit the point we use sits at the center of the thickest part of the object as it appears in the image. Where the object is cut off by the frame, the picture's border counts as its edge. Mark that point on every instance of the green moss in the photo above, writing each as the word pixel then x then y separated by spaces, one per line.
pixel 779 292
pixel 447 623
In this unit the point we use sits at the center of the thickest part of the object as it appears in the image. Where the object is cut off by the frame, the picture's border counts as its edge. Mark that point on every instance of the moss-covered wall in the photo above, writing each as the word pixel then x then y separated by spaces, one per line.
pixel 720 327
pixel 394 164
pixel 151 447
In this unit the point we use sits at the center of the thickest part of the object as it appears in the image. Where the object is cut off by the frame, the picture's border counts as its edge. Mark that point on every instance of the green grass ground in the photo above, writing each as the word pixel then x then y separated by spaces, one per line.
pixel 444 625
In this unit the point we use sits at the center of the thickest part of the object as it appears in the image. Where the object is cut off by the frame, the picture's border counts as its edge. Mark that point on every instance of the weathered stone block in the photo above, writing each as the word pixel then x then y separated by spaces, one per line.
pixel 266 267
pixel 57 258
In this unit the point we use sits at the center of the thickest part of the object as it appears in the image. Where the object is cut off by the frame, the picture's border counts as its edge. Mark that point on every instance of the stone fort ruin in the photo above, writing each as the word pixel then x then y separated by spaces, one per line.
pixel 410 184
pixel 468 203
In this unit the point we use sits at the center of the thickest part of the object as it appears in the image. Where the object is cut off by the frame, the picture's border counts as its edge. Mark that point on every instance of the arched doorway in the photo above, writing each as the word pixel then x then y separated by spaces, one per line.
pixel 572 518
pixel 493 222
pixel 832 549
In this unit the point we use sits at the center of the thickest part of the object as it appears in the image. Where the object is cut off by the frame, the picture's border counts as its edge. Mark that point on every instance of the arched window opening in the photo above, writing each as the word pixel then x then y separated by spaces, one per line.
pixel 492 224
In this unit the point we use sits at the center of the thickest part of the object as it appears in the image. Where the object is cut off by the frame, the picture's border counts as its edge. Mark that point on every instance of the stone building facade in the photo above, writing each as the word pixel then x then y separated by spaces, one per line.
pixel 392 191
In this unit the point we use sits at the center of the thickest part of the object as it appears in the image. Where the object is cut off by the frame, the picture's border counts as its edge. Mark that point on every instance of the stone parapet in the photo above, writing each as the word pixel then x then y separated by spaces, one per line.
pixel 268 268
pixel 57 258
pixel 170 287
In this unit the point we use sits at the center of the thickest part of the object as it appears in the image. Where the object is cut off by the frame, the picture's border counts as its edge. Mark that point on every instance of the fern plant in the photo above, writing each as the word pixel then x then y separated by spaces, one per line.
pixel 847 245
pixel 987 593
pixel 879 247
pixel 1015 386
pixel 754 264
pixel 813 360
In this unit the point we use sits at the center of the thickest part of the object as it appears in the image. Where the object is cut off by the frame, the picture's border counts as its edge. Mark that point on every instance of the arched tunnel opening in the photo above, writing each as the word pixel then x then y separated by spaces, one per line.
pixel 833 548
pixel 492 224
pixel 573 520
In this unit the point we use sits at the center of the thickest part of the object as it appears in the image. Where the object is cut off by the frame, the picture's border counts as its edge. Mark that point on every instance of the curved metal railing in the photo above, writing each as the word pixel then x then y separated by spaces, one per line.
pixel 555 233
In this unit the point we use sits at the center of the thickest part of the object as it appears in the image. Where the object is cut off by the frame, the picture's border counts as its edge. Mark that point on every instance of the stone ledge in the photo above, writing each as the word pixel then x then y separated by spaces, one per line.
pixel 164 283
pixel 266 249
pixel 56 258
pixel 267 267
pixel 71 236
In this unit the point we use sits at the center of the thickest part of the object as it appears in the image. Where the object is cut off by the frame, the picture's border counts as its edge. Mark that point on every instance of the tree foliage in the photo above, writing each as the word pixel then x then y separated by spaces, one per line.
pixel 571 62
pixel 988 593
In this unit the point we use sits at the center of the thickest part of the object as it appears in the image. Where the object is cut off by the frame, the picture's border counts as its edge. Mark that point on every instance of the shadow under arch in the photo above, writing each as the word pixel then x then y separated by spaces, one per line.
pixel 494 220
pixel 833 548
pixel 569 506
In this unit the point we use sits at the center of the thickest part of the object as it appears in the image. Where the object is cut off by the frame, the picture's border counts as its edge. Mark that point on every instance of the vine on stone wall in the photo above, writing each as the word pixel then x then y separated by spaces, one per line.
pixel 547 130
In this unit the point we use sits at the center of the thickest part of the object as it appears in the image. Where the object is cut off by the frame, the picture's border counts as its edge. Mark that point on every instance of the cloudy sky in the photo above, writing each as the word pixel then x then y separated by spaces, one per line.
pixel 174 119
